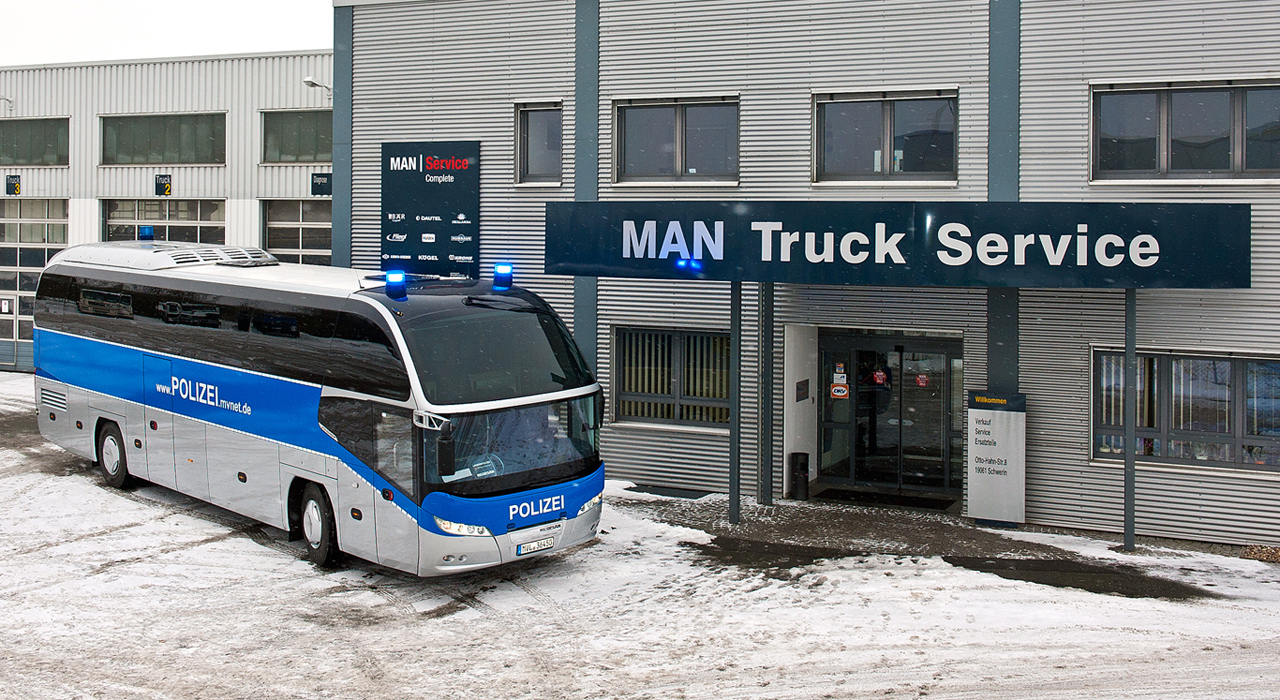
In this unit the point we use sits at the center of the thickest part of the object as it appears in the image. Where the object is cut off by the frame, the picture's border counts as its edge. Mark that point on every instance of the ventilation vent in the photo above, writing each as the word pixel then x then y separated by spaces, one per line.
pixel 221 255
pixel 53 399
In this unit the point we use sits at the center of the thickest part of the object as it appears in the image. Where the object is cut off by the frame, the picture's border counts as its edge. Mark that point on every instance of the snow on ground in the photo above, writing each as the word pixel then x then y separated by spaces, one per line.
pixel 149 594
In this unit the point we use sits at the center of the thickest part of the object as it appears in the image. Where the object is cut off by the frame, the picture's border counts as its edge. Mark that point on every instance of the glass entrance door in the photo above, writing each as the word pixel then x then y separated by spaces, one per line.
pixel 885 421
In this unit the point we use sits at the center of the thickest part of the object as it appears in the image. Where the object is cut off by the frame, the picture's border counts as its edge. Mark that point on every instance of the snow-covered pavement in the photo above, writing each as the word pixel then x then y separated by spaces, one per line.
pixel 149 594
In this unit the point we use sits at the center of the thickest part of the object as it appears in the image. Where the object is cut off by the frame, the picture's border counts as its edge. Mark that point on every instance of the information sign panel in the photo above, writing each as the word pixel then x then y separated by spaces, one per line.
pixel 321 184
pixel 164 185
pixel 431 208
pixel 13 184
pixel 997 445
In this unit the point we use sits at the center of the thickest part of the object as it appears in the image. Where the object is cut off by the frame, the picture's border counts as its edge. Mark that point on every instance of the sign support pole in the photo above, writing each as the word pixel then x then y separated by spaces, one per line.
pixel 764 488
pixel 1130 414
pixel 735 396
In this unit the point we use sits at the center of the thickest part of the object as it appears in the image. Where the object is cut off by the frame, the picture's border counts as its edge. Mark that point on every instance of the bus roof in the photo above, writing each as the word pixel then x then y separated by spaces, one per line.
pixel 234 265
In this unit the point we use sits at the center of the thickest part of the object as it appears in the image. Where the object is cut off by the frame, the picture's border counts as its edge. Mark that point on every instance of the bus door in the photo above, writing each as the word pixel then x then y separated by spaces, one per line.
pixel 396 511
pixel 157 418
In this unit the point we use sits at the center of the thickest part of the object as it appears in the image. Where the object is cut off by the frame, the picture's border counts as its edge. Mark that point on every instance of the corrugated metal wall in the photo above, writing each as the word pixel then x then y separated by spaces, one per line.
pixel 775 57
pixel 454 70
pixel 1067 46
pixel 240 86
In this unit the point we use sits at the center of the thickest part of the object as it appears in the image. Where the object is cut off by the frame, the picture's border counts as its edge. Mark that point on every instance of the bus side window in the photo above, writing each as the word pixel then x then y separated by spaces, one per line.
pixel 380 436
pixel 292 341
pixel 363 359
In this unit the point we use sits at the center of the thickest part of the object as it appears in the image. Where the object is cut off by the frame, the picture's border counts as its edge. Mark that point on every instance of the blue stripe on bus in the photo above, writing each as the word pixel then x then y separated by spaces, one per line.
pixel 283 411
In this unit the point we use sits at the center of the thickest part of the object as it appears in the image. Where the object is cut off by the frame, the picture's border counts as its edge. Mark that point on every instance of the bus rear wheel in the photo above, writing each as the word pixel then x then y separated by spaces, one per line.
pixel 318 530
pixel 111 456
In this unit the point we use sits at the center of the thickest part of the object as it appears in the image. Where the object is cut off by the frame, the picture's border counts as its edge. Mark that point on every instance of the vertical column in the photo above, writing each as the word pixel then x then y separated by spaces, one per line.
pixel 343 33
pixel 1003 147
pixel 735 400
pixel 1130 415
pixel 586 157
pixel 764 422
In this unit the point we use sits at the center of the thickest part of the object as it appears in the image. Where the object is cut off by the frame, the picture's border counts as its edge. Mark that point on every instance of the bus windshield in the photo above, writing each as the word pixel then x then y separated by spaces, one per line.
pixel 517 448
pixel 491 347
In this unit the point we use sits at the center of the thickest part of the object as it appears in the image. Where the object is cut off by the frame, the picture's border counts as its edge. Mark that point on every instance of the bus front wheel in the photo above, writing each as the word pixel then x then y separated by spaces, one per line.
pixel 111 456
pixel 317 527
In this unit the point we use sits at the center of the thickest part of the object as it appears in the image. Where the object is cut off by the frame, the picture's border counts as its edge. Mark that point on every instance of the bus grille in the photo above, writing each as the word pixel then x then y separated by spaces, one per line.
pixel 53 399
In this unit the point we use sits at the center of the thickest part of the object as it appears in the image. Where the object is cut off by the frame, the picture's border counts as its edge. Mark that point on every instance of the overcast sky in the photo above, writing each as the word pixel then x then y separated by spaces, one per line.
pixel 72 31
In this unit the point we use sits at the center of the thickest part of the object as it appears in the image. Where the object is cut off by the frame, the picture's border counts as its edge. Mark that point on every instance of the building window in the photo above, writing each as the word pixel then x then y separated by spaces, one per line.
pixel 34 141
pixel 1220 411
pixel 1190 132
pixel 31 232
pixel 300 230
pixel 538 154
pixel 672 376
pixel 179 220
pixel 852 132
pixel 164 139
pixel 297 137
pixel 680 140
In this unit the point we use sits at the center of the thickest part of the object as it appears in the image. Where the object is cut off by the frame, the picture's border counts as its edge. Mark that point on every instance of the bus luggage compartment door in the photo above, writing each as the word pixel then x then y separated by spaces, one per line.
pixel 157 418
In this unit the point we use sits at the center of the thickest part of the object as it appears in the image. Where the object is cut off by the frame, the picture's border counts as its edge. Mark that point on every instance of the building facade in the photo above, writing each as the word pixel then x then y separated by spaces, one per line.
pixel 837 100
pixel 209 149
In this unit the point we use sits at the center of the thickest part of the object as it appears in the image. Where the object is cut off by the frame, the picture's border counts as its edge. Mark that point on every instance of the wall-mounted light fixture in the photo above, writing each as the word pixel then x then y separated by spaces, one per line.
pixel 313 83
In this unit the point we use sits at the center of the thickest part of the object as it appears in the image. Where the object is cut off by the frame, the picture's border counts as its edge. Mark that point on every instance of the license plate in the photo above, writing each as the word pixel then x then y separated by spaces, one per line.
pixel 535 546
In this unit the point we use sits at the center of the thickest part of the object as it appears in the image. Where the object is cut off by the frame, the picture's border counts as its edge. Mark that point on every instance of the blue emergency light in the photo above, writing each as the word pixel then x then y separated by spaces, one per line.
pixel 396 285
pixel 502 274
pixel 146 233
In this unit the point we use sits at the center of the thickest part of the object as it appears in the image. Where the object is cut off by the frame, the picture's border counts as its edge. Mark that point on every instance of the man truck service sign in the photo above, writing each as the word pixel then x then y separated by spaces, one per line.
pixel 431 208
pixel 997 469
pixel 949 244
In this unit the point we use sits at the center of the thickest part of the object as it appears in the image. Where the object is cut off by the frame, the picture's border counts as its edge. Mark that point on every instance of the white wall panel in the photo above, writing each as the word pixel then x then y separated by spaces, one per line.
pixel 239 86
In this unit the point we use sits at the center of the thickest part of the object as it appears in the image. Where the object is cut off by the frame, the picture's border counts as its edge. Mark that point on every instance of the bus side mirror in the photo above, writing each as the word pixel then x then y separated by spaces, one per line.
pixel 444 450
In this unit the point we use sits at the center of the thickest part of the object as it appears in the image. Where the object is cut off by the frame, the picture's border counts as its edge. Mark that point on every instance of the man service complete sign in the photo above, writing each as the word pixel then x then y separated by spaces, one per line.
pixel 431 208
pixel 953 244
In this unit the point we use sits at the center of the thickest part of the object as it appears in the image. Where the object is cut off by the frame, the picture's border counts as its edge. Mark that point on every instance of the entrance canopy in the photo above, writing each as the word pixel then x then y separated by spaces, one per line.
pixel 951 244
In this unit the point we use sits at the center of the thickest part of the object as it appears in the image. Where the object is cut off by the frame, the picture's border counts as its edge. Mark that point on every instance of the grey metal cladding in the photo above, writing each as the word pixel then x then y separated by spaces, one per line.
pixel 455 72
pixel 774 57
pixel 1133 42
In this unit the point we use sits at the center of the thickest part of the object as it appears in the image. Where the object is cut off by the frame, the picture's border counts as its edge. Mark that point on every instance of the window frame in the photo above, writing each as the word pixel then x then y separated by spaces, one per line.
pixel 675 397
pixel 201 224
pixel 64 156
pixel 1235 437
pixel 680 106
pixel 267 113
pixel 1237 132
pixel 102 135
pixel 522 175
pixel 287 254
pixel 888 103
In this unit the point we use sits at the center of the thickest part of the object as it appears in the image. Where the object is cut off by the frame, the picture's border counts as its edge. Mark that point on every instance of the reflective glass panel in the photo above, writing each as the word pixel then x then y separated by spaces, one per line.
pixel 1262 129
pixel 1127 131
pixel 924 136
pixel 852 138
pixel 1201 130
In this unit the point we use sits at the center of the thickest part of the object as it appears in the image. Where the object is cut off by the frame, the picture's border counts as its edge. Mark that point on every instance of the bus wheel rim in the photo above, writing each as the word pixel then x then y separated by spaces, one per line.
pixel 311 526
pixel 111 456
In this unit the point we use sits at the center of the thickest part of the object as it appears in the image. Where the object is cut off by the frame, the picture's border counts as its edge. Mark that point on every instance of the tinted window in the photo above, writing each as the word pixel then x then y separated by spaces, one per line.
pixel 488 349
pixel 283 340
pixel 369 361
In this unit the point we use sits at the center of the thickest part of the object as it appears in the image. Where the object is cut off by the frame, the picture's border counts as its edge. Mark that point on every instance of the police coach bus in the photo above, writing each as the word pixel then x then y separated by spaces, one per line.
pixel 432 426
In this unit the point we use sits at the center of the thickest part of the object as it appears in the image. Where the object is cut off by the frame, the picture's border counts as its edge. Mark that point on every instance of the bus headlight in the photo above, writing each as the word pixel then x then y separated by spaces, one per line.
pixel 590 504
pixel 463 530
